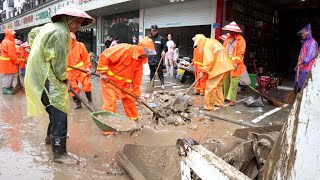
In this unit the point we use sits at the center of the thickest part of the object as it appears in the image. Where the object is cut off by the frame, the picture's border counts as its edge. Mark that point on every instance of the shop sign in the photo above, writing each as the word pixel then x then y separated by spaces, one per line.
pixel 53 9
pixel 216 25
pixel 42 15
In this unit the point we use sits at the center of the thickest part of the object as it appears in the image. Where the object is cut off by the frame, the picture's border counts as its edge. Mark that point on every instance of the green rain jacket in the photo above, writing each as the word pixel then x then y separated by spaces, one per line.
pixel 48 60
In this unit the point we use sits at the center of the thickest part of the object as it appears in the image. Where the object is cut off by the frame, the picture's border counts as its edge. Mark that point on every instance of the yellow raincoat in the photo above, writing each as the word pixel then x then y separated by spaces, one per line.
pixel 33 33
pixel 217 65
pixel 48 60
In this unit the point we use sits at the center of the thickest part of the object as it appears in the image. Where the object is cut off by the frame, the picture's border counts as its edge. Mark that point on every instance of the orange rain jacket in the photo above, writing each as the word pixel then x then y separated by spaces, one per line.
pixel 215 62
pixel 79 58
pixel 122 66
pixel 200 86
pixel 9 60
pixel 23 54
pixel 237 54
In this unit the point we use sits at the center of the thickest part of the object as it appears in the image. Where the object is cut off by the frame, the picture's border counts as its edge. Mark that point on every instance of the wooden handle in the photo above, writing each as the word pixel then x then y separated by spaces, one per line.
pixel 84 71
pixel 132 95
pixel 193 84
pixel 157 69
pixel 119 87
pixel 83 101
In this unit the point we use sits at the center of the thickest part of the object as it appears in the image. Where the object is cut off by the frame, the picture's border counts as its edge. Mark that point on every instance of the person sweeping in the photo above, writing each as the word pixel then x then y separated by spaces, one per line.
pixel 79 58
pixel 217 66
pixel 307 56
pixel 46 82
pixel 235 46
pixel 122 64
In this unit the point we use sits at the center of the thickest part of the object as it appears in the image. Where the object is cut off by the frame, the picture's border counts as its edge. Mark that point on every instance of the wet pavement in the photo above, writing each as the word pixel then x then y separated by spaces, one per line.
pixel 23 154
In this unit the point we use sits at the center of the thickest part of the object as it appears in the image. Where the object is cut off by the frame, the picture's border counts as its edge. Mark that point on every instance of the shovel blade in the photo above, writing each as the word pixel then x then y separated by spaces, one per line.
pixel 181 102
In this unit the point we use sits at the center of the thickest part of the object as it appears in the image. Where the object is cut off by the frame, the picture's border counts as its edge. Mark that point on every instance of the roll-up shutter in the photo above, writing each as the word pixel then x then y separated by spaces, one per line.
pixel 190 13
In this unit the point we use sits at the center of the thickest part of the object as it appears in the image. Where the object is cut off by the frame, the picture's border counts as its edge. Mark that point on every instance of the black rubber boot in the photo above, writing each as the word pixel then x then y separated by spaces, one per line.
pixel 59 149
pixel 47 140
pixel 89 97
pixel 78 103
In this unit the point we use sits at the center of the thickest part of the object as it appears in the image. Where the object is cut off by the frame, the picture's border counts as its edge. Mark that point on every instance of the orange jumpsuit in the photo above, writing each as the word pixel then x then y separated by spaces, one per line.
pixel 79 58
pixel 200 86
pixel 9 60
pixel 122 65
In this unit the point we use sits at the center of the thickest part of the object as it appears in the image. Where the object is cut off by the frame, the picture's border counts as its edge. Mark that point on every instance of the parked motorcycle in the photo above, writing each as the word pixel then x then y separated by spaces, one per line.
pixel 185 70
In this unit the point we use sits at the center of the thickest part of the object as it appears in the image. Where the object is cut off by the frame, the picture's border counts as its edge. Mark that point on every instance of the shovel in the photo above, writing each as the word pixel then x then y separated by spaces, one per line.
pixel 124 90
pixel 108 121
pixel 181 101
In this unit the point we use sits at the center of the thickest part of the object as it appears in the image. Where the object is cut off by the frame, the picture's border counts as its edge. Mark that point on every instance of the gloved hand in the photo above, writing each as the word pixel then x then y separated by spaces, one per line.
pixel 235 66
pixel 88 71
pixel 201 74
pixel 103 76
pixel 67 82
pixel 163 53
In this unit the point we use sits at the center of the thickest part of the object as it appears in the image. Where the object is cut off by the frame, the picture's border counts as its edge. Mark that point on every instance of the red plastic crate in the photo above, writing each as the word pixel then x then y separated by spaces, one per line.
pixel 264 81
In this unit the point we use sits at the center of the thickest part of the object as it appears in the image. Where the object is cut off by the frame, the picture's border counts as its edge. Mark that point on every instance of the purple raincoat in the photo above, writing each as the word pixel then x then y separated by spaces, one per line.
pixel 308 54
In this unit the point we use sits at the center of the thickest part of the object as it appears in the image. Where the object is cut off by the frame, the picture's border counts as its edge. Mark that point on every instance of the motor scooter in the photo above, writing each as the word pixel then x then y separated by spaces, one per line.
pixel 185 70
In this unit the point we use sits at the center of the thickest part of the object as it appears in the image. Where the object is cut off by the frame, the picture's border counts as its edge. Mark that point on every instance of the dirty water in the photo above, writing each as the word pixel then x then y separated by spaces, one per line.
pixel 23 154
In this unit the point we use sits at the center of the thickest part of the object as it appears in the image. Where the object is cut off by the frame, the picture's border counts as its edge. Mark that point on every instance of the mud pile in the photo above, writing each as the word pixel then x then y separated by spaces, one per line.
pixel 162 102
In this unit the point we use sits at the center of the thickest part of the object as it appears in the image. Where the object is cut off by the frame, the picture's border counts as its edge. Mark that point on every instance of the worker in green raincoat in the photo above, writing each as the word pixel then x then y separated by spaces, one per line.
pixel 46 75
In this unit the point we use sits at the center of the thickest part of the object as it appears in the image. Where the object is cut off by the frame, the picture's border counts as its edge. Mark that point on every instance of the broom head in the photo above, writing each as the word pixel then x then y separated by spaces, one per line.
pixel 290 98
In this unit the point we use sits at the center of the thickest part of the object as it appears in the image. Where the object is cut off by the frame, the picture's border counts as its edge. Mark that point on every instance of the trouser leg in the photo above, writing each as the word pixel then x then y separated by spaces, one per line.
pixel 129 105
pixel 233 89
pixel 226 86
pixel 152 71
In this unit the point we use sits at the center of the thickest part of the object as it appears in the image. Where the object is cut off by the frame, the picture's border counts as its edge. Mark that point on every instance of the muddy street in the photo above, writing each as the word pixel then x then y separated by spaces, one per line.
pixel 24 155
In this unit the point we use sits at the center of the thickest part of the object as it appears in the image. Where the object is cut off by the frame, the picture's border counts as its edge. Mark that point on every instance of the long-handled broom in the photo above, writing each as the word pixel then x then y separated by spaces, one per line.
pixel 292 95
pixel 271 101
pixel 149 88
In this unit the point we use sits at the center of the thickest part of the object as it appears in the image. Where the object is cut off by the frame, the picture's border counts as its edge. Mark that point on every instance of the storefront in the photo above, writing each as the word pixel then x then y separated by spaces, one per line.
pixel 270 30
pixel 125 26
pixel 183 20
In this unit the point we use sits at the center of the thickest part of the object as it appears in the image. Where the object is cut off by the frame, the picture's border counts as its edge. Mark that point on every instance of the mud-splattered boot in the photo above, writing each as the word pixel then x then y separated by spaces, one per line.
pixel 7 90
pixel 78 103
pixel 162 84
pixel 59 149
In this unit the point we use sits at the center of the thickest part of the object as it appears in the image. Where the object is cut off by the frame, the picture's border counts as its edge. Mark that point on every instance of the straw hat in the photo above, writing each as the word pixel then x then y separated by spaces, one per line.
pixel 232 27
pixel 75 12
pixel 224 37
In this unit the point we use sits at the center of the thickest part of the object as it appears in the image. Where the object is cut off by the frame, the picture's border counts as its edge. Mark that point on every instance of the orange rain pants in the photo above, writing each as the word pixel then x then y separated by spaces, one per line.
pixel 200 86
pixel 111 94
pixel 214 95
